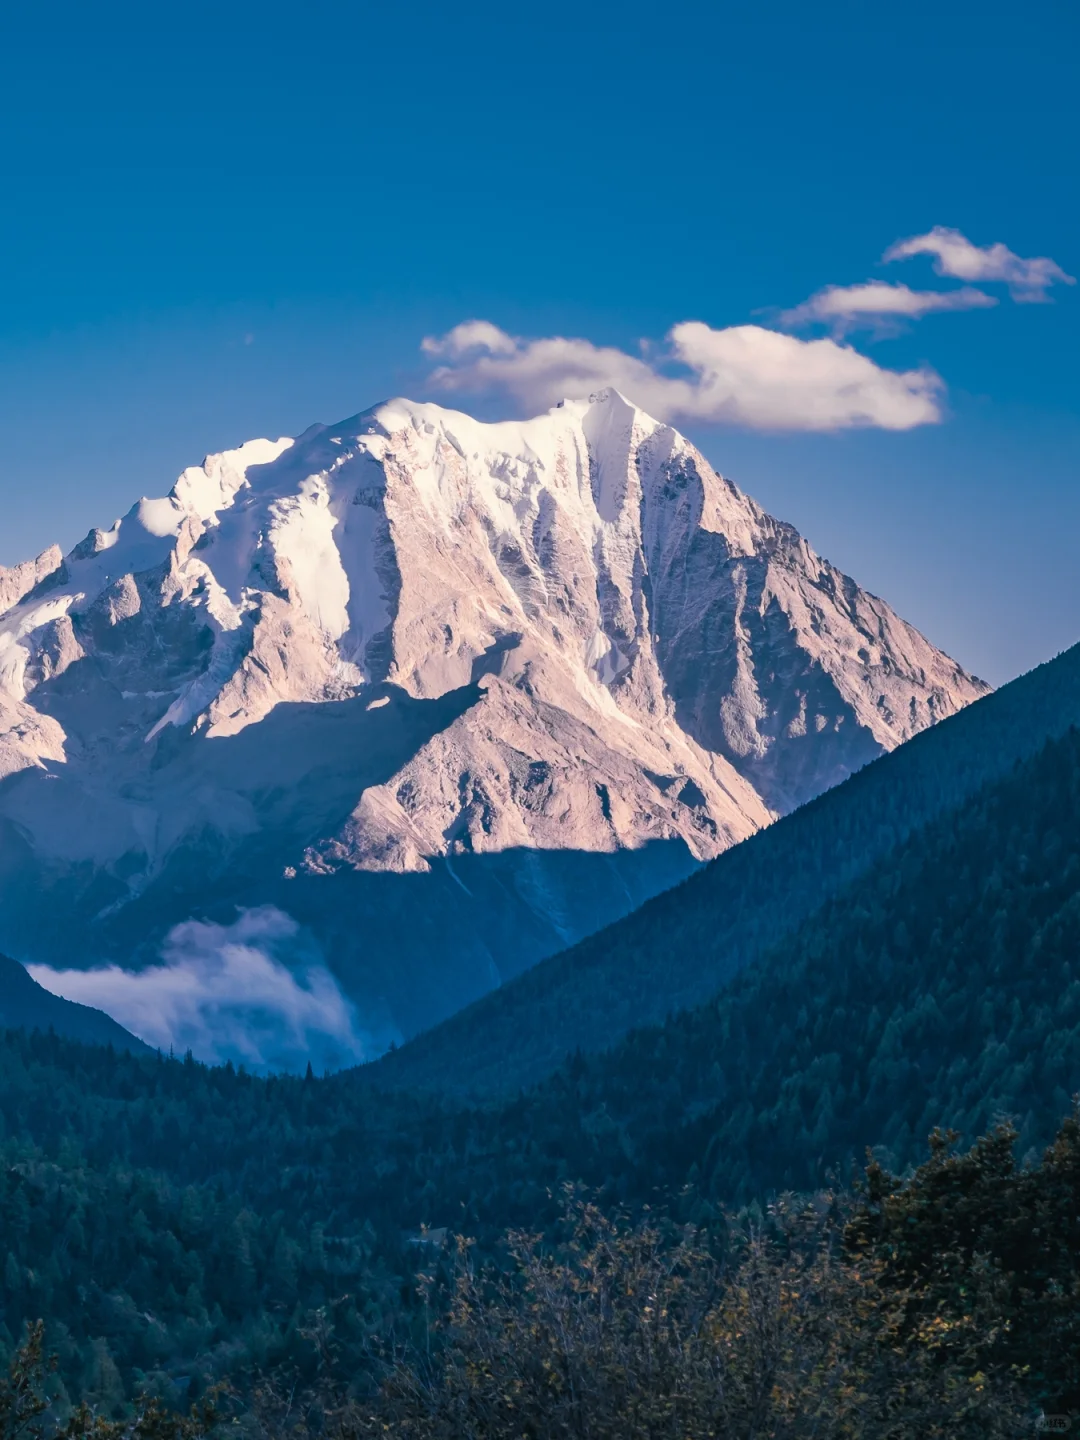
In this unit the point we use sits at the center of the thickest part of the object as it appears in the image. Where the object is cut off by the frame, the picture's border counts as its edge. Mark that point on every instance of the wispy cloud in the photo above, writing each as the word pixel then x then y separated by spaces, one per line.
pixel 255 992
pixel 849 307
pixel 956 256
pixel 743 374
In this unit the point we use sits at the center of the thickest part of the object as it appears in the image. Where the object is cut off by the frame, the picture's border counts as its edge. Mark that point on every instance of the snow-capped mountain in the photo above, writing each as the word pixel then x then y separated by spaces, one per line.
pixel 446 694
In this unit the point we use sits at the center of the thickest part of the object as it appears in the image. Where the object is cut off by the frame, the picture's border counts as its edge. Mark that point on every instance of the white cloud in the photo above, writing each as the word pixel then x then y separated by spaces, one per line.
pixel 847 307
pixel 255 992
pixel 955 256
pixel 469 335
pixel 743 375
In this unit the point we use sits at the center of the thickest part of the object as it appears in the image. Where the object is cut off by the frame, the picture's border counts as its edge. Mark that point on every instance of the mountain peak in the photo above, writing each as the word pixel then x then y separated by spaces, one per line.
pixel 608 395
pixel 415 639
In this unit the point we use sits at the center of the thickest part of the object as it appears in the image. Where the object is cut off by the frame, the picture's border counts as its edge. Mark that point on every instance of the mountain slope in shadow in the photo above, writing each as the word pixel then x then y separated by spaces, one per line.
pixel 683 946
pixel 26 1005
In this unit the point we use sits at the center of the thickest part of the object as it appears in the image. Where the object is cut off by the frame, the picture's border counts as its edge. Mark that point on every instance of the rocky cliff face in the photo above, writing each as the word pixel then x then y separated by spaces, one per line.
pixel 449 694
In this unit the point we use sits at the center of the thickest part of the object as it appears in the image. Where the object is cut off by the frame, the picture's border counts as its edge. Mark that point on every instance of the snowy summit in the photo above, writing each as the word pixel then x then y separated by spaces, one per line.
pixel 417 645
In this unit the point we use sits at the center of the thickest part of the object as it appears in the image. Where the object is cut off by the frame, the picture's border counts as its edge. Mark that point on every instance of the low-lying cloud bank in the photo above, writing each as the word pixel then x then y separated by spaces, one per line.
pixel 256 992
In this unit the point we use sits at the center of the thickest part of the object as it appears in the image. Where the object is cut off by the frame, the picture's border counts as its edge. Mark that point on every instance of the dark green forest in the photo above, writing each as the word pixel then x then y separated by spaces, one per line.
pixel 174 1223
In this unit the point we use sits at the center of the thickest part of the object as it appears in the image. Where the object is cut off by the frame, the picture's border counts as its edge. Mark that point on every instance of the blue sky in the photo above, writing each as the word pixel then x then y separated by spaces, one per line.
pixel 229 220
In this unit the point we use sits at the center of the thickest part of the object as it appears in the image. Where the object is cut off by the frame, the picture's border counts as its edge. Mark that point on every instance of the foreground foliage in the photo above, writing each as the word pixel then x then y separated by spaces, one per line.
pixel 624 1337
pixel 28 1412
pixel 944 1304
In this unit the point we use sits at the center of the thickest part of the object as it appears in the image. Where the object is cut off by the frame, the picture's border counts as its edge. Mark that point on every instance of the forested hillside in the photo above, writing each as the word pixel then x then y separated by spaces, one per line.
pixel 171 1221
pixel 25 1004
pixel 681 947
pixel 942 988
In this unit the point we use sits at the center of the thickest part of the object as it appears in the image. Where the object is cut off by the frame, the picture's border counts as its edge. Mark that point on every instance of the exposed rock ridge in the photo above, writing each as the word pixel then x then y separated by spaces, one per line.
pixel 598 642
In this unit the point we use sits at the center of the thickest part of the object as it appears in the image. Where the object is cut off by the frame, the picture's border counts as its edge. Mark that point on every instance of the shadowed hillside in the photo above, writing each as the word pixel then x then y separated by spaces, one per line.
pixel 684 945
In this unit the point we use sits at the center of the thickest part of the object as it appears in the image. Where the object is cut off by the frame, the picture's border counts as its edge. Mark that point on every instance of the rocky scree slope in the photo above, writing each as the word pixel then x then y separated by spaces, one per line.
pixel 450 694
